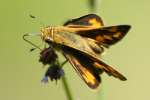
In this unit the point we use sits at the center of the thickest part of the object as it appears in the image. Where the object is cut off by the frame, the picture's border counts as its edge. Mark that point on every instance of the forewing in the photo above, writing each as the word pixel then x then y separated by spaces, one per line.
pixel 91 20
pixel 83 66
pixel 106 35
pixel 109 70
pixel 92 27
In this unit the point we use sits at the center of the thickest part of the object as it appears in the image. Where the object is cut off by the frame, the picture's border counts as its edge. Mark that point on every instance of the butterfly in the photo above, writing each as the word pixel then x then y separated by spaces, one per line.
pixel 82 41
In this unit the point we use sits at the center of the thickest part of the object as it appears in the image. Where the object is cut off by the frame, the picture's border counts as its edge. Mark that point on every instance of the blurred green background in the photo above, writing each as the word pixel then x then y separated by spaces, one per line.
pixel 20 72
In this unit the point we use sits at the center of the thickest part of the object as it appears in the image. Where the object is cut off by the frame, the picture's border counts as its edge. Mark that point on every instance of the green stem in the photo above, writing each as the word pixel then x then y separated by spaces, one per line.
pixel 66 88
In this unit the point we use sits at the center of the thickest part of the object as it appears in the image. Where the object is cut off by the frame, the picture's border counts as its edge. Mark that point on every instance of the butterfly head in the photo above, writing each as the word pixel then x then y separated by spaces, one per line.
pixel 47 33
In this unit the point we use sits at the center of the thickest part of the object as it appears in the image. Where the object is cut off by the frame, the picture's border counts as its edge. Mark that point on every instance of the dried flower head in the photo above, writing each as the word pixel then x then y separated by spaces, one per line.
pixel 48 56
pixel 54 72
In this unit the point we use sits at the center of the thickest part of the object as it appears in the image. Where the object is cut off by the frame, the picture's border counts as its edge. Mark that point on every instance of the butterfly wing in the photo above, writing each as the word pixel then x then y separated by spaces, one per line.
pixel 109 70
pixel 106 35
pixel 91 20
pixel 83 67
pixel 89 69
pixel 77 43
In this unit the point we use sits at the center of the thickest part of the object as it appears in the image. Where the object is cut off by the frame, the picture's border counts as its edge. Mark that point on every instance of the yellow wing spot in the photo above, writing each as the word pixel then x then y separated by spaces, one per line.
pixel 99 38
pixel 107 37
pixel 95 23
pixel 113 29
pixel 89 78
pixel 117 35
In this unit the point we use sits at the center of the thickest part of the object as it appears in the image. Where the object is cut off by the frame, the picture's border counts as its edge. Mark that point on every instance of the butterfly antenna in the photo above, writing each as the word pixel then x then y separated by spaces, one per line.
pixel 31 34
pixel 36 19
pixel 25 39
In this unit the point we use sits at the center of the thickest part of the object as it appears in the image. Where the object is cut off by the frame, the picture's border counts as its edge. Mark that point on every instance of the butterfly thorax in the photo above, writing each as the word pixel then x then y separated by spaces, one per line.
pixel 47 33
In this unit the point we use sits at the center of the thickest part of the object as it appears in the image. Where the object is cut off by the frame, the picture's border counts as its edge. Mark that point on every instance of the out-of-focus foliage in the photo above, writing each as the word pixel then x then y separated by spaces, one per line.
pixel 92 4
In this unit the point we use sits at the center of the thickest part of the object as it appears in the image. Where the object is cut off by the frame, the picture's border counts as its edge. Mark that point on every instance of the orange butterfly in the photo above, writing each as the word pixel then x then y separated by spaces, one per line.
pixel 81 41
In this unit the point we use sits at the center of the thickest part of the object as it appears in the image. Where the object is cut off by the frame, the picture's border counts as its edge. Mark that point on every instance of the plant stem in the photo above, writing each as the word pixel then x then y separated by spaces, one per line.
pixel 66 88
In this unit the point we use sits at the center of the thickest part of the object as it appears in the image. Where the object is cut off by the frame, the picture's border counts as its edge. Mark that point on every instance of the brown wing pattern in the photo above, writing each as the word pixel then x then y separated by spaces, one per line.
pixel 91 20
pixel 109 70
pixel 95 64
pixel 84 67
pixel 106 35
